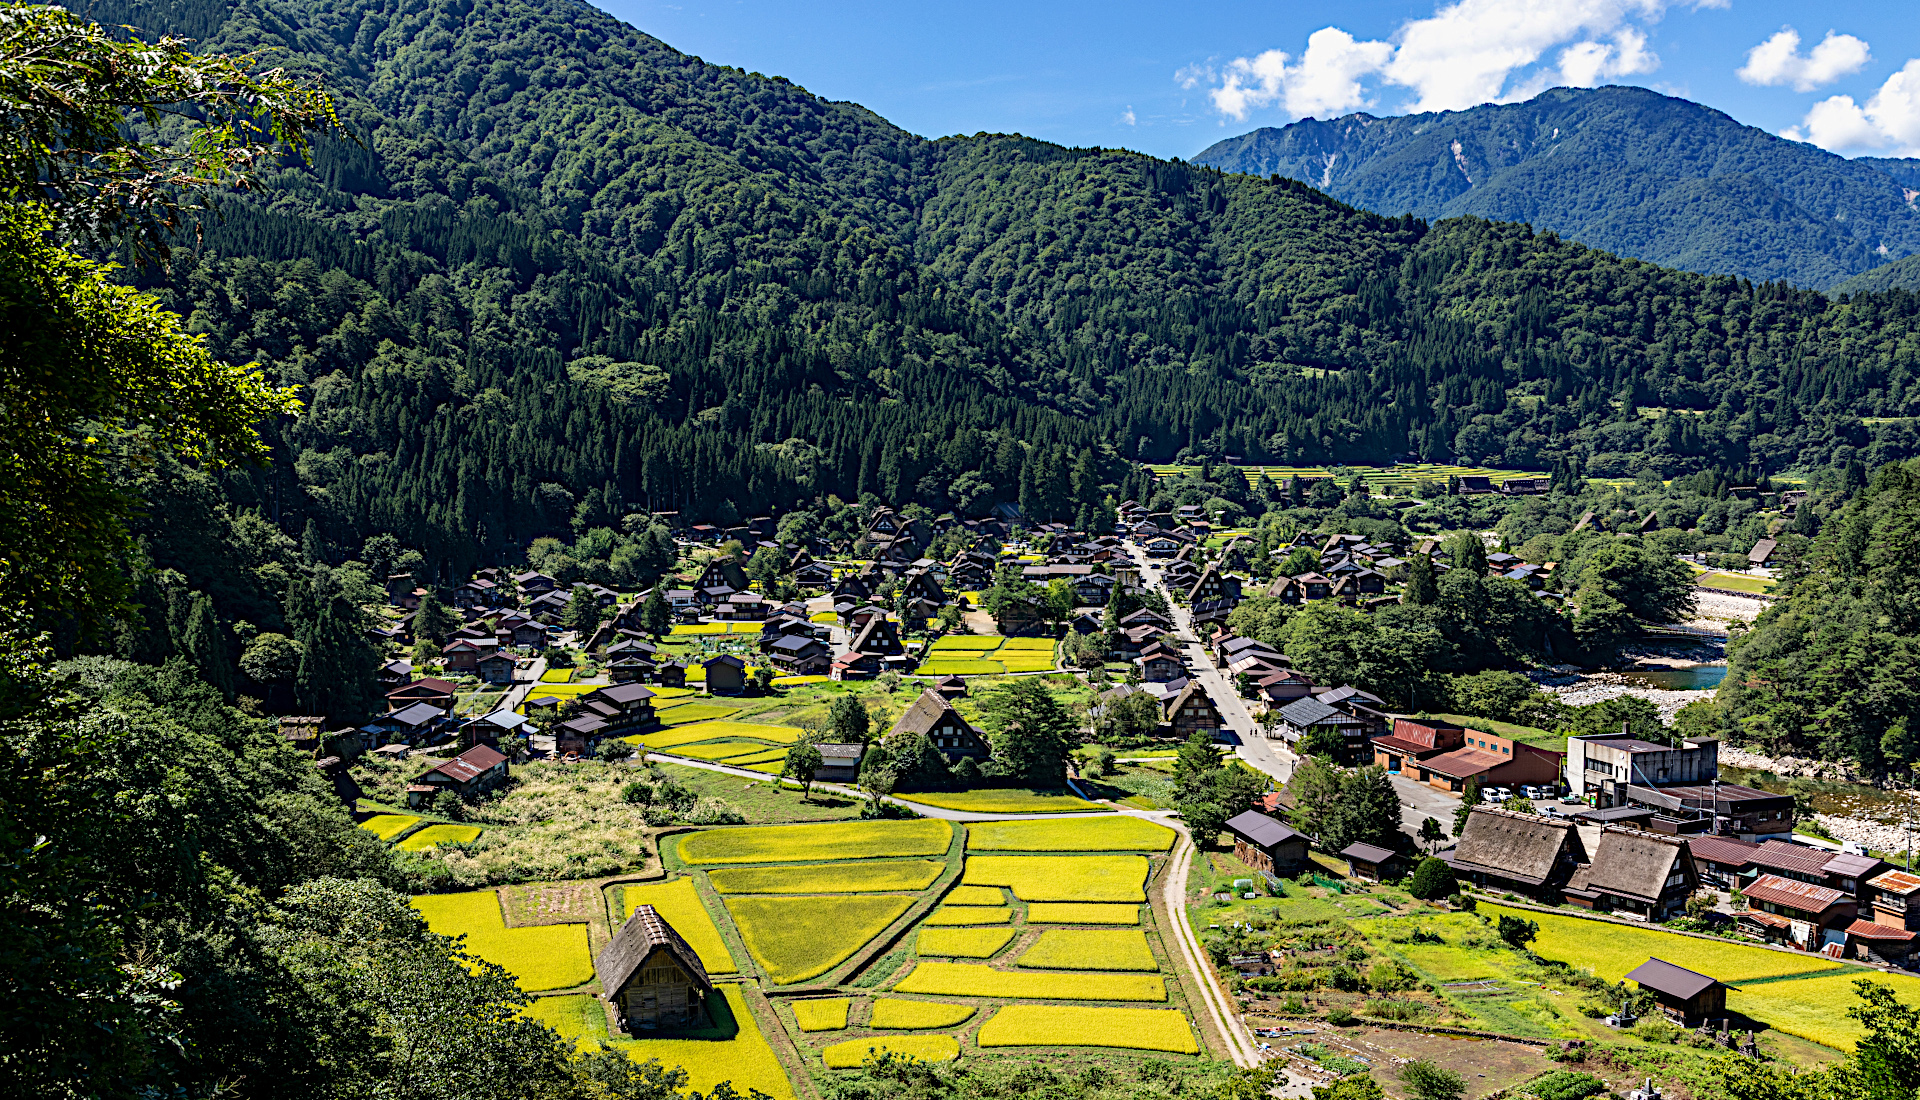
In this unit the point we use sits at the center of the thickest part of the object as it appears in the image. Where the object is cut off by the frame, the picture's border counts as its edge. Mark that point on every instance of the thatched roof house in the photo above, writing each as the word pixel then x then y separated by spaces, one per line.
pixel 1525 853
pixel 652 976
pixel 1640 874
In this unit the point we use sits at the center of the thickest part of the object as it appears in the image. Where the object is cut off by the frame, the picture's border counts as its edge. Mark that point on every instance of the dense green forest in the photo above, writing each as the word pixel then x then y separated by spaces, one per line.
pixel 1625 169
pixel 559 270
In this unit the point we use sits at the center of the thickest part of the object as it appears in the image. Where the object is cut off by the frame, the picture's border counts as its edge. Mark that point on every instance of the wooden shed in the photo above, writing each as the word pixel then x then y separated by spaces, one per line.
pixel 1264 844
pixel 1681 993
pixel 1372 862
pixel 651 976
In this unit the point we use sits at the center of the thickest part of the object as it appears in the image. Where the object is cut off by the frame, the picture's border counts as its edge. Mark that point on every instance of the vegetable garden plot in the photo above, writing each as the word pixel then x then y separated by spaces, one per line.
pixel 829 840
pixel 1062 878
pixel 829 878
pixel 1091 1026
pixel 962 943
pixel 435 835
pixel 678 903
pixel 734 1050
pixel 1092 834
pixel 1090 949
pixel 796 938
pixel 551 956
pixel 1081 912
pixel 927 1048
pixel 822 1013
pixel 893 1012
pixel 939 979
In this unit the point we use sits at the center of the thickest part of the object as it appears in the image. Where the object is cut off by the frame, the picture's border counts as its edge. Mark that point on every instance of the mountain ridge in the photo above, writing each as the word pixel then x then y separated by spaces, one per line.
pixel 1624 169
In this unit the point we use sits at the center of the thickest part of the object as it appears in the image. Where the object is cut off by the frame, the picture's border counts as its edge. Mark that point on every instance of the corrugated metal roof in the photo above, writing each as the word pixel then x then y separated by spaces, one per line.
pixel 1261 829
pixel 470 765
pixel 1793 894
pixel 1896 882
pixel 1675 981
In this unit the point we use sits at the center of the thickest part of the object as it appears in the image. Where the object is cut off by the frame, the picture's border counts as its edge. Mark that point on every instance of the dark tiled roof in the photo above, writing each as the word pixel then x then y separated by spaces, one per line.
pixel 1261 829
pixel 1367 853
pixel 1674 981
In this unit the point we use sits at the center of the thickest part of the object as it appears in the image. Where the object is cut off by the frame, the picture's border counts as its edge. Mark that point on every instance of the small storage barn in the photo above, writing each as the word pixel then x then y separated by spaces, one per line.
pixel 838 763
pixel 1686 996
pixel 1373 863
pixel 652 977
pixel 1264 844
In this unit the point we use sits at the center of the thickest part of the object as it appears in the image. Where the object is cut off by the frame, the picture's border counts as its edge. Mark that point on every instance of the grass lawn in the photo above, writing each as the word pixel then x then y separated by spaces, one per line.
pixel 893 1012
pixel 1090 1026
pixel 968 914
pixel 1062 878
pixel 828 878
pixel 1530 735
pixel 388 826
pixel 1090 949
pixel 1739 582
pixel 1081 912
pixel 763 801
pixel 434 835
pixel 1093 834
pixel 796 938
pixel 678 903
pixel 734 1050
pixel 822 1013
pixel 548 957
pixel 1007 802
pixel 960 943
pixel 941 979
pixel 795 843
pixel 926 1048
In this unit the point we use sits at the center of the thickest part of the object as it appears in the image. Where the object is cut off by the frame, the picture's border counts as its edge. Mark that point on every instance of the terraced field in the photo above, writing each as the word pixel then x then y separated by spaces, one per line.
pixel 971 655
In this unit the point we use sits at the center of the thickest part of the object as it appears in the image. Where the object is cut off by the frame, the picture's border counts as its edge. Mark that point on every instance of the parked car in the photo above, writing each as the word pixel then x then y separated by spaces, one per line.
pixel 1496 794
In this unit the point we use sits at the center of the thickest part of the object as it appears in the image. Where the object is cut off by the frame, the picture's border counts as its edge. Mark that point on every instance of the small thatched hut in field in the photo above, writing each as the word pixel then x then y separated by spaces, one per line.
pixel 651 976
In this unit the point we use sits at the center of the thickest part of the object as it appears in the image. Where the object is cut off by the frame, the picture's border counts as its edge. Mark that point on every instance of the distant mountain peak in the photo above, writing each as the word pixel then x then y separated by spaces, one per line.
pixel 1622 168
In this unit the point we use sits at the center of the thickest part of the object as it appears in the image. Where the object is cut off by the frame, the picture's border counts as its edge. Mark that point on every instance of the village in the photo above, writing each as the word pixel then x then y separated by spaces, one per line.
pixel 712 674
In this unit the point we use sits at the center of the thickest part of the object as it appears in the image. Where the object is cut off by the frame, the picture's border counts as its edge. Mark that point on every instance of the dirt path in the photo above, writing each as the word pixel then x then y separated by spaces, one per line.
pixel 1173 912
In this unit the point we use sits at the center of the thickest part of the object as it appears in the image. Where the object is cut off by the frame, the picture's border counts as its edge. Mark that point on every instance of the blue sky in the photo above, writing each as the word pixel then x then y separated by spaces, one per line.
pixel 1172 79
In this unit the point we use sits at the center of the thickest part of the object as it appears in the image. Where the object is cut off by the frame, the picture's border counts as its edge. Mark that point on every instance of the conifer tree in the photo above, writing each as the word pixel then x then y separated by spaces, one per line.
pixel 206 647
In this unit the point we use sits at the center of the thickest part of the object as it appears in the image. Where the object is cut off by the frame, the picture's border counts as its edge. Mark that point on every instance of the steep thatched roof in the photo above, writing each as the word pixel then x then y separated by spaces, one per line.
pixel 644 933
pixel 1520 847
pixel 1632 863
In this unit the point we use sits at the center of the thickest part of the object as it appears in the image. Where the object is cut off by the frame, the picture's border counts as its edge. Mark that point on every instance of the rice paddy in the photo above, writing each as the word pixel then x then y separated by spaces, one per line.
pixel 1090 949
pixel 940 979
pixel 1101 834
pixel 435 835
pixel 678 903
pixel 833 840
pixel 1062 878
pixel 926 1048
pixel 733 1050
pixel 976 895
pixel 796 938
pixel 892 1012
pixel 1081 912
pixel 550 956
pixel 714 731
pixel 388 826
pixel 950 915
pixel 829 878
pixel 1091 1026
pixel 723 750
pixel 688 713
pixel 1010 801
pixel 962 943
pixel 987 655
pixel 822 1014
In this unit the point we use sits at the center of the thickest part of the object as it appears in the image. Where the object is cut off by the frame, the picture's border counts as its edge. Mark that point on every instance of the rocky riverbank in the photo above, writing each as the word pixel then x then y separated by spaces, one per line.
pixel 1597 687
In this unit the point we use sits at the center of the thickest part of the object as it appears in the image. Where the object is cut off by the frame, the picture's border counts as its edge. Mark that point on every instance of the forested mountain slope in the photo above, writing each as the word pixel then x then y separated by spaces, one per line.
pixel 566 271
pixel 1623 169
pixel 1900 274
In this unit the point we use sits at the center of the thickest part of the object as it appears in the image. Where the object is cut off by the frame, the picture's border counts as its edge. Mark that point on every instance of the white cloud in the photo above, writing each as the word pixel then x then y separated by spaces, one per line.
pixel 1778 60
pixel 1466 53
pixel 1889 120
pixel 1128 117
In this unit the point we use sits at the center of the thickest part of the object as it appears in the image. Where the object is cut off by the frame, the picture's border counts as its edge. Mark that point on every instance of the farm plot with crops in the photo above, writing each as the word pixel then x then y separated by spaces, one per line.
pixel 686 714
pixel 435 835
pixel 1009 801
pixel 388 826
pixel 671 740
pixel 733 1049
pixel 1062 878
pixel 1096 834
pixel 550 956
pixel 885 933
pixel 678 903
pixel 971 655
pixel 832 840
